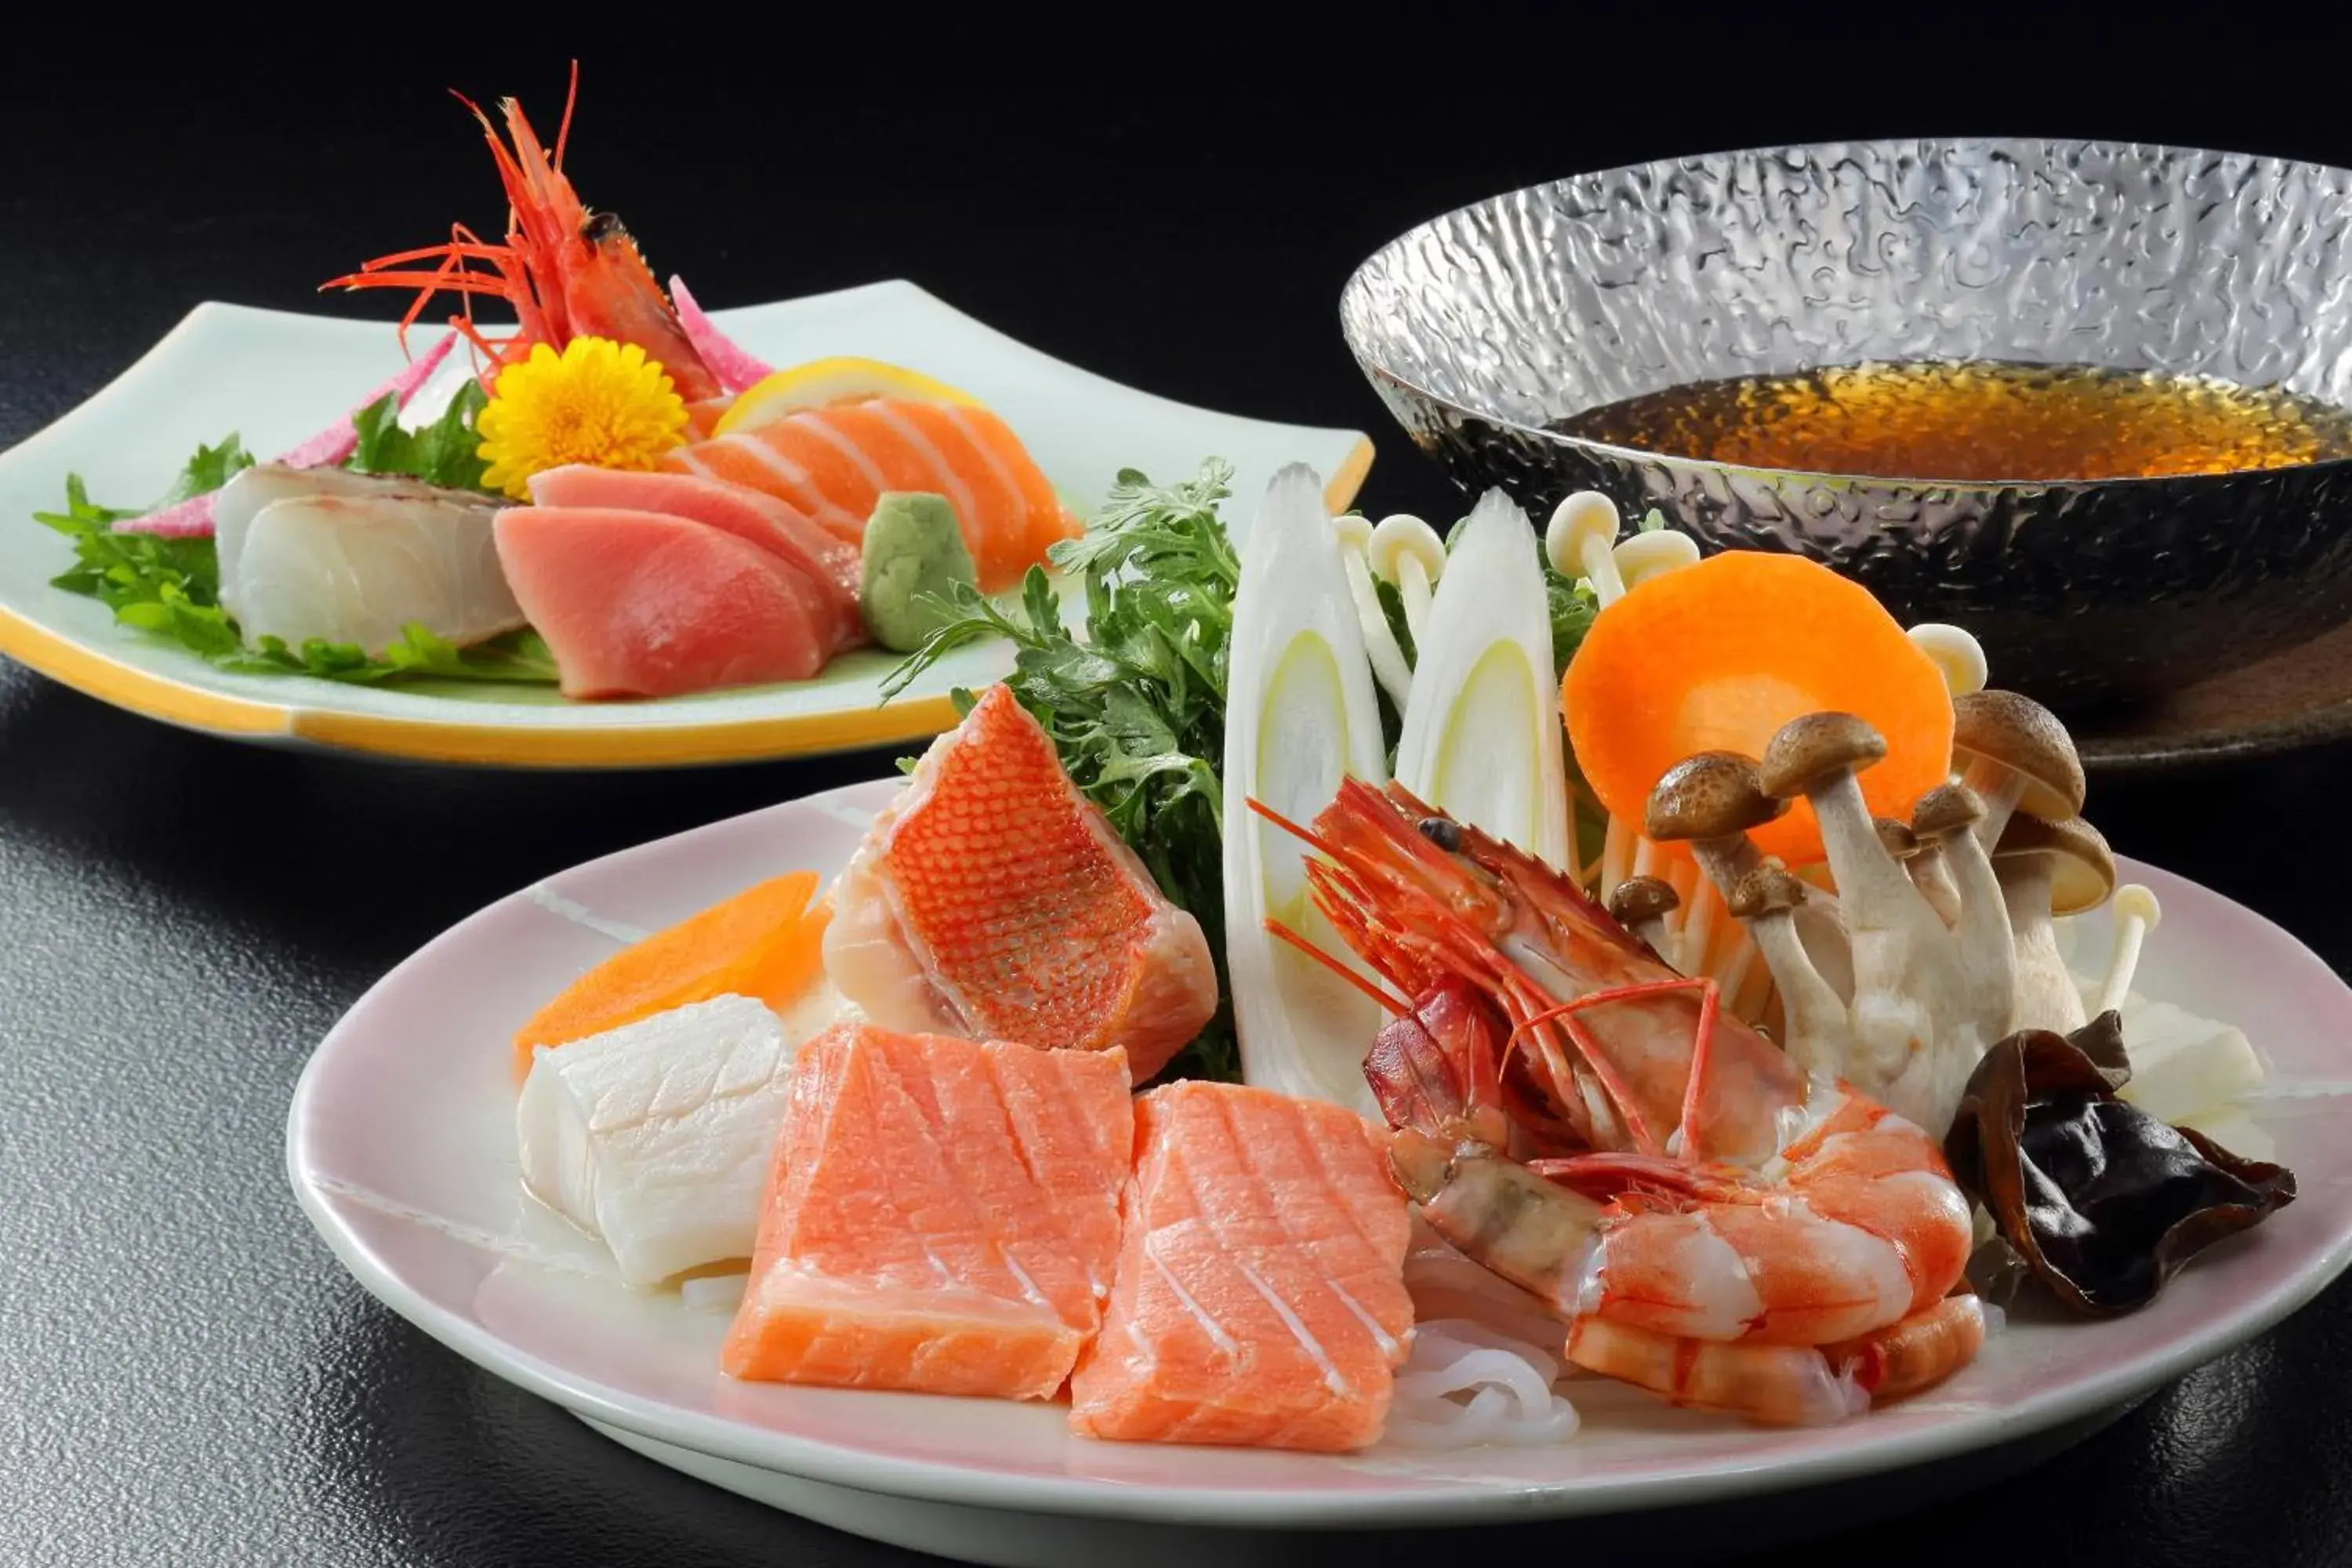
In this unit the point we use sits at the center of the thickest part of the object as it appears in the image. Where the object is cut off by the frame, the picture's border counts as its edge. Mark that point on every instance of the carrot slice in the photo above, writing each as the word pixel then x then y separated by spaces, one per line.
pixel 1718 655
pixel 764 942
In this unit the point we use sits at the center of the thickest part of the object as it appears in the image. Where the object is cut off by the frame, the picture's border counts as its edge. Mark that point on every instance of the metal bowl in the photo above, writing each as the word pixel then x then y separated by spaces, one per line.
pixel 1480 327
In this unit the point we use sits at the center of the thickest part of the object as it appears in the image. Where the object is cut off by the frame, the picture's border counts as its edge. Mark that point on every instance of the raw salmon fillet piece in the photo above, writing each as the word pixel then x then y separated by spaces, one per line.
pixel 993 900
pixel 833 463
pixel 1260 1298
pixel 943 1214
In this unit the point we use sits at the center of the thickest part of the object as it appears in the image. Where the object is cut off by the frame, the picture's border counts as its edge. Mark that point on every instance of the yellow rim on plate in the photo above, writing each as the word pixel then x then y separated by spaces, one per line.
pixel 507 746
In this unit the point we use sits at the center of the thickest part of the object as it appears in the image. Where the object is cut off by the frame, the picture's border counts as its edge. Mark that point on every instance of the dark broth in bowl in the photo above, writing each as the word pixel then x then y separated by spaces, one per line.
pixel 1975 420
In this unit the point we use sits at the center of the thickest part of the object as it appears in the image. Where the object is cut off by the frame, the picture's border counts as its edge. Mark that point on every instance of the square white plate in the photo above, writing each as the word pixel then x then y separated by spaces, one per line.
pixel 276 378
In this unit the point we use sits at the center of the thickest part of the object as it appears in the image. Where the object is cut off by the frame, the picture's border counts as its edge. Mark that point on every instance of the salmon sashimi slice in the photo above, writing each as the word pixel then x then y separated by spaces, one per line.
pixel 637 603
pixel 833 463
pixel 740 458
pixel 1260 1298
pixel 753 516
pixel 993 900
pixel 941 1216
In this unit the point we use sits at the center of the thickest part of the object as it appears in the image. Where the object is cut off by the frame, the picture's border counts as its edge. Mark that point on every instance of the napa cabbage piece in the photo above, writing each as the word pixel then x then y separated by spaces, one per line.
pixel 1300 714
pixel 1481 738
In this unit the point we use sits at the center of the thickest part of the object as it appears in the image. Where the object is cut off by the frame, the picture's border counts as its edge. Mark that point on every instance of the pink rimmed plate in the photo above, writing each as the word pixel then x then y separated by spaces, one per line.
pixel 400 1147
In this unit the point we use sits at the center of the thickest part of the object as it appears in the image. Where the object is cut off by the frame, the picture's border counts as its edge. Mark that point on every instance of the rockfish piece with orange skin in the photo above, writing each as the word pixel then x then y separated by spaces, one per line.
pixel 993 900
pixel 942 1215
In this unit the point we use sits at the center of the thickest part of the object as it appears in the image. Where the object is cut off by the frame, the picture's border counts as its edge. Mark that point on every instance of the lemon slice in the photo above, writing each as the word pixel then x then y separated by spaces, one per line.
pixel 843 378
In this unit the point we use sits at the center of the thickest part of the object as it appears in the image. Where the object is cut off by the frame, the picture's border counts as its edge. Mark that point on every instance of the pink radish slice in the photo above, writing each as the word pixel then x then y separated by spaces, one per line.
pixel 734 368
pixel 192 517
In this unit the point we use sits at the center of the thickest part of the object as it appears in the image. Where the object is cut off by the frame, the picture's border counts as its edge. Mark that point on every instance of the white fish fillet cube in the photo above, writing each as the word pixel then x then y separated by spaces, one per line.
pixel 656 1136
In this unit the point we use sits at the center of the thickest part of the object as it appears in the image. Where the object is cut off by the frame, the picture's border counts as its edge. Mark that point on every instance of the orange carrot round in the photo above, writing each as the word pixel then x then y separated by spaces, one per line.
pixel 764 942
pixel 1719 654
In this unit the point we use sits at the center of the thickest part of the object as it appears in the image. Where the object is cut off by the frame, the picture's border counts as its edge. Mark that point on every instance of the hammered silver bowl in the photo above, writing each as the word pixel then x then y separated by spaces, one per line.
pixel 1479 328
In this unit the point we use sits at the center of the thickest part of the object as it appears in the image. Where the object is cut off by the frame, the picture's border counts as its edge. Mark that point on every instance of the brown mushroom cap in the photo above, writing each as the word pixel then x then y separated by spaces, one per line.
pixel 2019 734
pixel 1810 750
pixel 1639 899
pixel 1897 838
pixel 1947 809
pixel 1711 795
pixel 2085 873
pixel 1770 890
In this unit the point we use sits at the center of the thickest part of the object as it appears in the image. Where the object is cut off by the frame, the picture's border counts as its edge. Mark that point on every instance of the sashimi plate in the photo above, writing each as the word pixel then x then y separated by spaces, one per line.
pixel 400 1146
pixel 275 377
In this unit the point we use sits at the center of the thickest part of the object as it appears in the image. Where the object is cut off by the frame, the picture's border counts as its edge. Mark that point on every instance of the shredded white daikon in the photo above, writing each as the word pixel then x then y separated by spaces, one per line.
pixel 1465 1384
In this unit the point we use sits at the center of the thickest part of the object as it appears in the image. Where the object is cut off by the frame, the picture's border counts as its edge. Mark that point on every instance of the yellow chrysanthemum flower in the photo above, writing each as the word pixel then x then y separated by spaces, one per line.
pixel 598 402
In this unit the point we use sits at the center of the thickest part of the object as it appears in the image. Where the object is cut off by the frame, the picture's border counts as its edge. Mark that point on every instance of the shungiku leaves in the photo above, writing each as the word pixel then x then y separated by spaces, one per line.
pixel 2102 1200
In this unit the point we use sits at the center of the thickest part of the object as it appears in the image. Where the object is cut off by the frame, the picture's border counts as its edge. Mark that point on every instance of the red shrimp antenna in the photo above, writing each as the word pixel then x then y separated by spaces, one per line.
pixel 1280 933
pixel 564 130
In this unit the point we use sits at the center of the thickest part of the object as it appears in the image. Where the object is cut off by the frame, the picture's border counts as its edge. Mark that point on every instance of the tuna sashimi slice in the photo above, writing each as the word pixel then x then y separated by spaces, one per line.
pixel 762 520
pixel 637 603
pixel 1260 1298
pixel 992 899
pixel 941 1216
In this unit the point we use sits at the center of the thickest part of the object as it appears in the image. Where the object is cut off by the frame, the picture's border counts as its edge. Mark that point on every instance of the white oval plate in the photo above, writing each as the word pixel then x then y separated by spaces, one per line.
pixel 401 1149
pixel 275 378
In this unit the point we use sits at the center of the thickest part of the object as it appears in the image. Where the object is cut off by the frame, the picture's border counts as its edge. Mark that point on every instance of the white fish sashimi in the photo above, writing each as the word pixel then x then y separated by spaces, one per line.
pixel 1481 738
pixel 1300 715
pixel 656 1136
pixel 355 558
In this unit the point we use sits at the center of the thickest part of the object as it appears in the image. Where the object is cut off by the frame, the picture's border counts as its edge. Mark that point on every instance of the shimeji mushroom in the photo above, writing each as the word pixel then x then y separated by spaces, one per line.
pixel 1912 1044
pixel 2017 756
pixel 1710 801
pixel 2048 869
pixel 1958 656
pixel 1408 552
pixel 1924 859
pixel 1947 817
pixel 1652 554
pixel 1641 904
pixel 1577 540
pixel 1766 902
pixel 2136 914
pixel 1389 666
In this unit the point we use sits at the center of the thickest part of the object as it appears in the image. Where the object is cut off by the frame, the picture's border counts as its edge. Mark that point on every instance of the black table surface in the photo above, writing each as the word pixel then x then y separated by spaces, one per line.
pixel 186 1373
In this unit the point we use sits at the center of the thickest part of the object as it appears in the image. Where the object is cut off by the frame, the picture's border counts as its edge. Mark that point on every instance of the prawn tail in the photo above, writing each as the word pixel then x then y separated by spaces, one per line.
pixel 1772 1386
pixel 1920 1351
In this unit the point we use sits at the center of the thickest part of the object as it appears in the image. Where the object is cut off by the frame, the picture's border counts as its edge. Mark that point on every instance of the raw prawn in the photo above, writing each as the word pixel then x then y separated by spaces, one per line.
pixel 1714 1227
pixel 567 272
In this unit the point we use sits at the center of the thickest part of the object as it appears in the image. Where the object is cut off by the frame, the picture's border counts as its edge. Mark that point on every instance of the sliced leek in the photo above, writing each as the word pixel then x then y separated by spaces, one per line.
pixel 1301 712
pixel 1482 731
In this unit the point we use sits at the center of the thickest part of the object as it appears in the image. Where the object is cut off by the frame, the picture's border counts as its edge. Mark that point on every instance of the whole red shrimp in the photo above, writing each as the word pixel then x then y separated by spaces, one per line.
pixel 567 272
